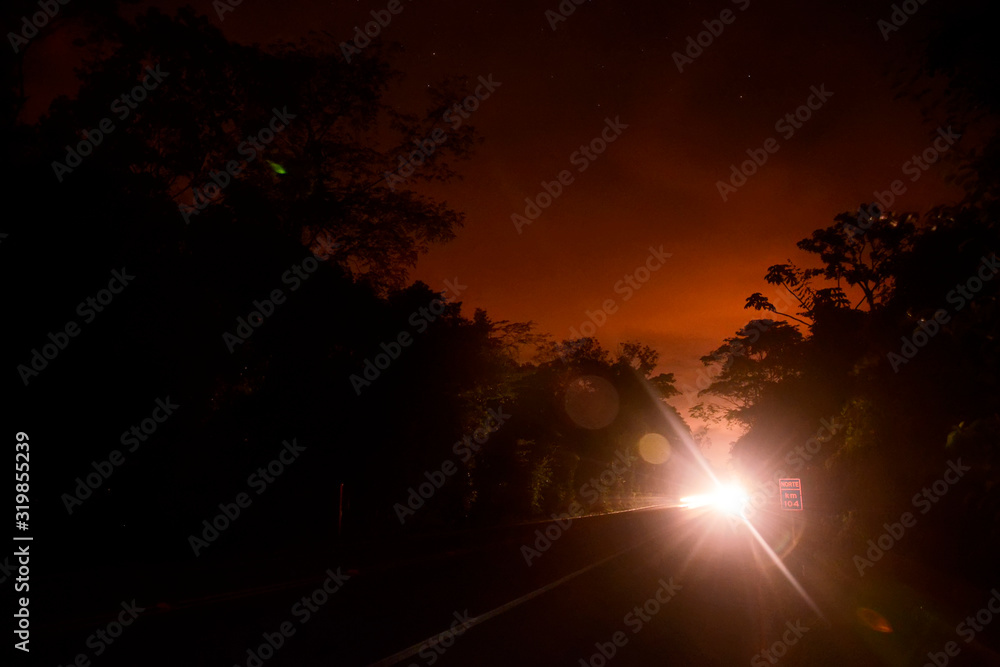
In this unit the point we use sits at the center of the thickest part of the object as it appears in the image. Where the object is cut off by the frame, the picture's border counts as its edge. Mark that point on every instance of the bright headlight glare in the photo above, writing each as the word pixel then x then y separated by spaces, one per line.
pixel 729 498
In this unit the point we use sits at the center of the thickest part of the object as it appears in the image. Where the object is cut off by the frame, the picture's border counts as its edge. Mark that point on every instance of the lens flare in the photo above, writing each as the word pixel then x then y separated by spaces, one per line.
pixel 591 402
pixel 874 620
pixel 728 498
pixel 654 448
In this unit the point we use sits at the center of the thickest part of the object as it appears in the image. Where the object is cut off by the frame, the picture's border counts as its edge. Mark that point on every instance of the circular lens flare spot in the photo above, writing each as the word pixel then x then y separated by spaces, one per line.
pixel 591 402
pixel 654 448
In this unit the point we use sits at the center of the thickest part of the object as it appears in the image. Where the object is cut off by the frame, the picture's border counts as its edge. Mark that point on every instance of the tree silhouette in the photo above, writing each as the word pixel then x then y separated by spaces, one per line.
pixel 321 175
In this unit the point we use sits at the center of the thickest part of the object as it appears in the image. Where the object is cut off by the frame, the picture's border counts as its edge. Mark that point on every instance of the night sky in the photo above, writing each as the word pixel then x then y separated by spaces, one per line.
pixel 656 184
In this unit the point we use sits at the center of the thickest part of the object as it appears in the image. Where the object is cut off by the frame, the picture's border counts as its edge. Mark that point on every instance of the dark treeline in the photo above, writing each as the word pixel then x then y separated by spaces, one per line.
pixel 390 386
pixel 387 386
pixel 876 378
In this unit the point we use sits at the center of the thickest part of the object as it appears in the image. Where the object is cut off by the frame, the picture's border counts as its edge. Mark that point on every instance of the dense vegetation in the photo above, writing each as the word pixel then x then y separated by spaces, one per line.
pixel 272 304
pixel 891 336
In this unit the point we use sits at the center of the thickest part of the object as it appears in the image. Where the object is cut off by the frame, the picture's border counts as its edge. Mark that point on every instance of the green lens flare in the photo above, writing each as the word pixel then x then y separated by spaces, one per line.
pixel 278 169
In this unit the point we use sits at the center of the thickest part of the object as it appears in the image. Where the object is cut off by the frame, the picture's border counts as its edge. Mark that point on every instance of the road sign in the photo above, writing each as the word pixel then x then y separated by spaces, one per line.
pixel 791 494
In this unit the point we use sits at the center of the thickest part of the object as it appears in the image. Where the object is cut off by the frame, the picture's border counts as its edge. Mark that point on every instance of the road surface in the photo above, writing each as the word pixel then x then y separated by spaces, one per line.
pixel 664 586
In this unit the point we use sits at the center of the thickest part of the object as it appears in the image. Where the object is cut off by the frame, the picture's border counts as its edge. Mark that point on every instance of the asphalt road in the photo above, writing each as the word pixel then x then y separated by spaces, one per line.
pixel 666 586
